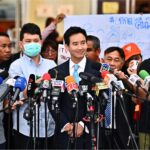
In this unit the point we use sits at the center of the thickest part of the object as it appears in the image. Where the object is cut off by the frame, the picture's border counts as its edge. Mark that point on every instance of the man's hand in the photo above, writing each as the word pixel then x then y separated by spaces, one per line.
pixel 78 130
pixel 68 128
pixel 20 102
pixel 120 74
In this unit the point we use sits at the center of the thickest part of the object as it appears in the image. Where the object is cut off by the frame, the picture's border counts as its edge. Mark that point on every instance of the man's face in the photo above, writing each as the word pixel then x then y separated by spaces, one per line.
pixel 114 60
pixel 92 54
pixel 5 48
pixel 28 38
pixel 77 47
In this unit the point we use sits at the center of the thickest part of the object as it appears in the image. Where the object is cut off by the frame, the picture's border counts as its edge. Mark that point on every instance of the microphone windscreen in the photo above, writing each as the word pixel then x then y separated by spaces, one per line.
pixel 46 76
pixel 69 79
pixel 104 73
pixel 20 83
pixel 70 84
pixel 143 74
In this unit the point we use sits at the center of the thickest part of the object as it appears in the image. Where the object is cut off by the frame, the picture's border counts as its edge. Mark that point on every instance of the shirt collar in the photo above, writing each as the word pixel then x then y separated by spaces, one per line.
pixel 30 59
pixel 81 63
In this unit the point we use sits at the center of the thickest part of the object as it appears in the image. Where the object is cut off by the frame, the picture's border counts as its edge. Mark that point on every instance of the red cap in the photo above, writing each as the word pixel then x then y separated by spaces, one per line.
pixel 130 50
pixel 104 73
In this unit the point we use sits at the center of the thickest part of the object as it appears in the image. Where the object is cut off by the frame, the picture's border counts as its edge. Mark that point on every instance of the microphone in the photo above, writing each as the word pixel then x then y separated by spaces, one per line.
pixel 3 75
pixel 57 88
pixel 134 79
pixel 89 77
pixel 20 85
pixel 101 90
pixel 31 85
pixel 7 87
pixel 102 67
pixel 90 103
pixel 146 77
pixel 105 67
pixel 55 74
pixel 46 81
pixel 45 84
pixel 143 74
pixel 111 79
pixel 59 84
pixel 72 87
pixel 84 87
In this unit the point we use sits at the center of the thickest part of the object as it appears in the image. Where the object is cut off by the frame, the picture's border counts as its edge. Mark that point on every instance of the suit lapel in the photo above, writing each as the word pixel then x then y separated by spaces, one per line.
pixel 65 68
pixel 89 68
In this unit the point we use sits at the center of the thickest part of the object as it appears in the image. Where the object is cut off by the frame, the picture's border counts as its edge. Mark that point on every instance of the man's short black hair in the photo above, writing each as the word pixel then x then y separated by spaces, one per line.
pixel 4 34
pixel 30 28
pixel 118 49
pixel 95 40
pixel 71 31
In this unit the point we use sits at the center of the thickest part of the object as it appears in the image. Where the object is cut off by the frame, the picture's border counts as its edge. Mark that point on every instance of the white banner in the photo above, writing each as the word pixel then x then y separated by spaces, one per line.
pixel 116 29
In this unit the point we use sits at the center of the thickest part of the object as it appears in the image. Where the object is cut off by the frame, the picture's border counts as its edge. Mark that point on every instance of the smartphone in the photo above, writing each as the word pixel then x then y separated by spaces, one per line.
pixel 135 64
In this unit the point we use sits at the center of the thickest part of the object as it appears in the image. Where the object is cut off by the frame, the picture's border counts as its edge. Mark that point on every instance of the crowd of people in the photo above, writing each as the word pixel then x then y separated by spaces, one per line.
pixel 70 124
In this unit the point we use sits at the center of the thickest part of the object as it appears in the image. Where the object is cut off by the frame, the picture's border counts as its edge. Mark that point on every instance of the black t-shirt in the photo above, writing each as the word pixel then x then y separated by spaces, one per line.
pixel 6 64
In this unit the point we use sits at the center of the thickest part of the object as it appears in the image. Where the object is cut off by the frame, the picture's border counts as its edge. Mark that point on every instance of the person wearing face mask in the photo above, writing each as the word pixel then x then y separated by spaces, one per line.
pixel 31 63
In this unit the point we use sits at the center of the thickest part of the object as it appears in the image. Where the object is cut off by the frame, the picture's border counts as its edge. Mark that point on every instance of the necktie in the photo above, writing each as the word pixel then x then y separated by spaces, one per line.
pixel 75 73
pixel 108 110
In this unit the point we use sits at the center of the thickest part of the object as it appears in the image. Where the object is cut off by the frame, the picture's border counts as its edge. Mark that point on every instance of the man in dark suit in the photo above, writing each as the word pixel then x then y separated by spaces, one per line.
pixel 76 44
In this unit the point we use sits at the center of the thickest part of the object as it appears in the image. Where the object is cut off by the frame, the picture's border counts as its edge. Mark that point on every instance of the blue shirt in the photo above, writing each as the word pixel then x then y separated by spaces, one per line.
pixel 23 67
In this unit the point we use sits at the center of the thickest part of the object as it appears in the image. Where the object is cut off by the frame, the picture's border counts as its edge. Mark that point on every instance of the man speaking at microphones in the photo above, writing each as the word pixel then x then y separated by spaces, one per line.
pixel 75 43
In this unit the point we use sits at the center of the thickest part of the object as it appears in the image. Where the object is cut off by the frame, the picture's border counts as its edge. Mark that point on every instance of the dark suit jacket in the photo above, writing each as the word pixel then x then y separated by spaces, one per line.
pixel 67 112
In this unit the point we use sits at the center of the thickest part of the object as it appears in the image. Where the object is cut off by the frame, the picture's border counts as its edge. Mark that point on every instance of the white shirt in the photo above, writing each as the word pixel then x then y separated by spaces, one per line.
pixel 23 67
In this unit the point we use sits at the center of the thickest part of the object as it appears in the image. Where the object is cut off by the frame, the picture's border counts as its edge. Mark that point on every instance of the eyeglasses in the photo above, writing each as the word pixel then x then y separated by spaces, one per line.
pixel 49 49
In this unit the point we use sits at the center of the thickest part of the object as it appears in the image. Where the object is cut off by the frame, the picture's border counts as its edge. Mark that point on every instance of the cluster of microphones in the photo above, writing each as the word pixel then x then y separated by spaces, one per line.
pixel 50 88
